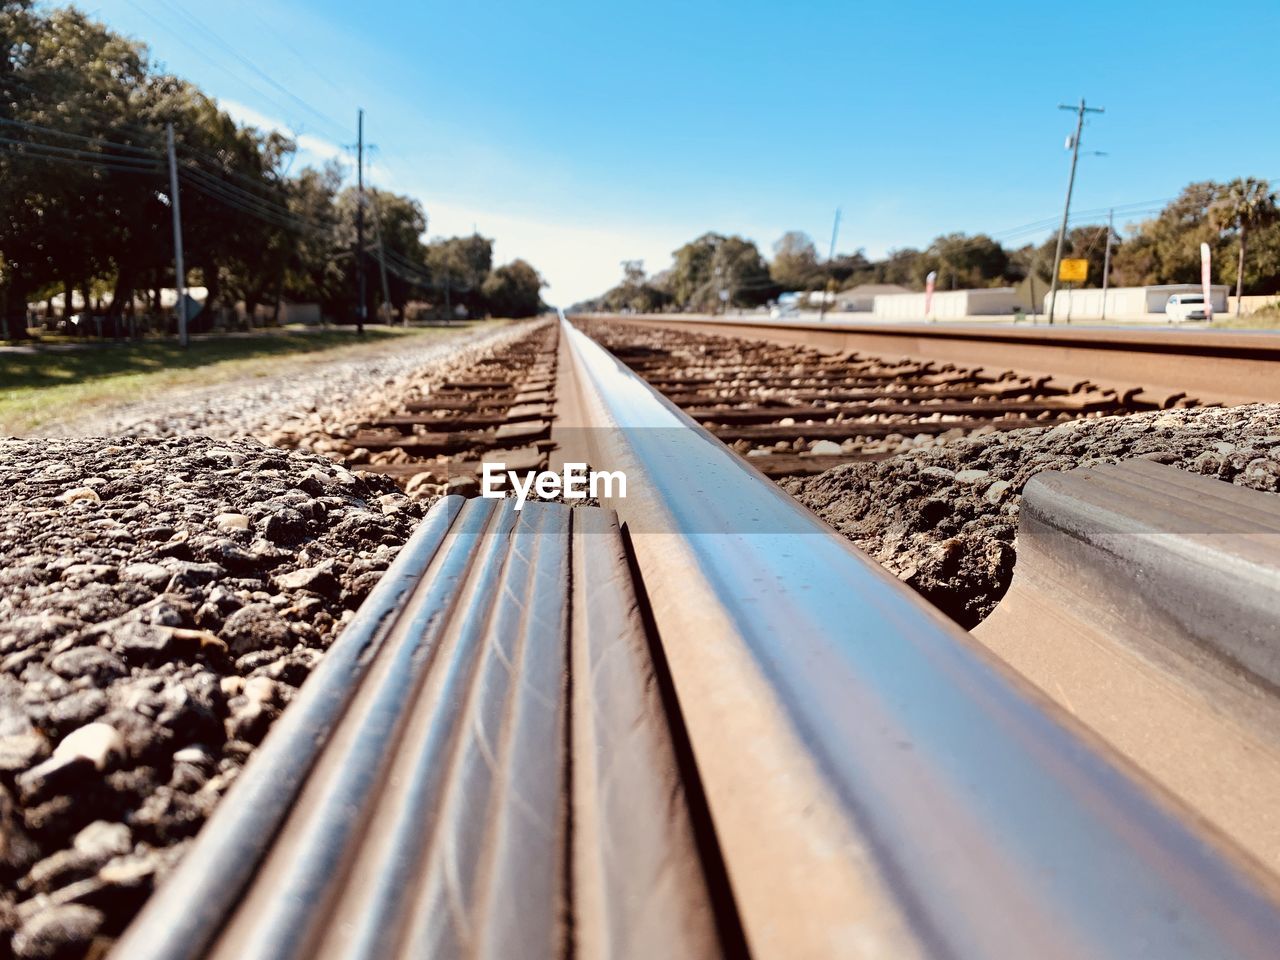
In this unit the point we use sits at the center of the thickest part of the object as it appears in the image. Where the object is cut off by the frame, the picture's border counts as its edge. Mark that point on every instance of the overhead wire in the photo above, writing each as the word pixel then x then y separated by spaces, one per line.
pixel 55 150
pixel 15 154
pixel 190 170
pixel 217 192
pixel 229 48
pixel 80 138
pixel 193 23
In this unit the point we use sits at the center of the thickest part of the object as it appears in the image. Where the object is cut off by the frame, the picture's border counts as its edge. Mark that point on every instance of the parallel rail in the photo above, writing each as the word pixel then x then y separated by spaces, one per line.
pixel 1216 366
pixel 813 763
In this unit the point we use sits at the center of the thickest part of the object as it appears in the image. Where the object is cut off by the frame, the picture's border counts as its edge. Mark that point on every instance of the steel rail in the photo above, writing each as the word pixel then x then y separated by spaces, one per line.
pixel 493 774
pixel 1213 366
pixel 1146 600
pixel 879 785
pixel 187 911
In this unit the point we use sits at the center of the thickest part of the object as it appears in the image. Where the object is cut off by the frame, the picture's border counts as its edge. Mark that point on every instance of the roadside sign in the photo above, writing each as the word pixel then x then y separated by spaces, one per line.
pixel 1073 271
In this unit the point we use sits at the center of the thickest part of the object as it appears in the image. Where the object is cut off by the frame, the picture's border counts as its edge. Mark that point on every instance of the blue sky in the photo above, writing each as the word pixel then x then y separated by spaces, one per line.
pixel 578 134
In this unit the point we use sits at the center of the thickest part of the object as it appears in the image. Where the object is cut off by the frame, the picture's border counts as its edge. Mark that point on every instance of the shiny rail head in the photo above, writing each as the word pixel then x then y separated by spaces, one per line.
pixel 903 765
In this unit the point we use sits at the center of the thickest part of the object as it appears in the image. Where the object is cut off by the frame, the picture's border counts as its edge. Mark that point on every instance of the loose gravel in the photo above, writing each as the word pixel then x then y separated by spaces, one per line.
pixel 263 407
pixel 944 516
pixel 160 602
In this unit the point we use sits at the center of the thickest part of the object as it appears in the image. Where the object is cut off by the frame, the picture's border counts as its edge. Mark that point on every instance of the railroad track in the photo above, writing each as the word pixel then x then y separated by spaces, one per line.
pixel 697 723
pixel 795 410
pixel 499 408
pixel 1216 366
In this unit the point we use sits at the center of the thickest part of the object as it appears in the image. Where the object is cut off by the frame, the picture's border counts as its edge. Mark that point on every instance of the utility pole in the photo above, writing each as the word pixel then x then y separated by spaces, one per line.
pixel 1106 262
pixel 360 310
pixel 1081 110
pixel 180 270
pixel 1031 279
pixel 831 255
pixel 382 257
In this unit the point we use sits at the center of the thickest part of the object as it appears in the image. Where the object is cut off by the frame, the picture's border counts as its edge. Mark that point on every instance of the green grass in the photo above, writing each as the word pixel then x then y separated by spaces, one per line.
pixel 57 382
pixel 1268 318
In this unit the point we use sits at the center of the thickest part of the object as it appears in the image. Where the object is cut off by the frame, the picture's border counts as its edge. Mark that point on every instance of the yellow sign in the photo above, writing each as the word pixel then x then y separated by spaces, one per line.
pixel 1073 271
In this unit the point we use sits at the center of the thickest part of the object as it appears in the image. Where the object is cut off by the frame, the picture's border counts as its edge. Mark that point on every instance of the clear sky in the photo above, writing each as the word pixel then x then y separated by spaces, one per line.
pixel 578 133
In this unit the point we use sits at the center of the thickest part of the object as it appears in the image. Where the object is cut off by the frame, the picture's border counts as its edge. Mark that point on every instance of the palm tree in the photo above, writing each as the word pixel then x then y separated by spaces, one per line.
pixel 1244 203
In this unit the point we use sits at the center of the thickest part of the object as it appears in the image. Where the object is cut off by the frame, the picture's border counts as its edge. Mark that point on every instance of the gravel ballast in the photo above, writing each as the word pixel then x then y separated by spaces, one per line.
pixel 943 517
pixel 292 401
pixel 160 602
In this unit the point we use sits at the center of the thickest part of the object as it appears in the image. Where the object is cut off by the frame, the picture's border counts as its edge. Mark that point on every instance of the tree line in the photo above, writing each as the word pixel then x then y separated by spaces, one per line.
pixel 85 205
pixel 1239 220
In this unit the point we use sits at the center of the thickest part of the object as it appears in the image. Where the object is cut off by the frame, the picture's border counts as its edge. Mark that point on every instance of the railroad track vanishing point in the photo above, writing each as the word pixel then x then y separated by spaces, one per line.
pixel 698 723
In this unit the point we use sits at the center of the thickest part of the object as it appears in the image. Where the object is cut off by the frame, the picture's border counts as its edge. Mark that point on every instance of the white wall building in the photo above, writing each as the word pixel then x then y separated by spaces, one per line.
pixel 1129 303
pixel 862 298
pixel 948 304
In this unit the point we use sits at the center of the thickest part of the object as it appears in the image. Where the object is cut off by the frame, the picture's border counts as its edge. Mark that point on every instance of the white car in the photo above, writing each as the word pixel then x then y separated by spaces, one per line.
pixel 1186 306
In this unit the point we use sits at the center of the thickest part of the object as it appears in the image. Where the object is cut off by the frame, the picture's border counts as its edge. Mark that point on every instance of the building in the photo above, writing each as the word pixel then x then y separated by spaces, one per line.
pixel 861 299
pixel 1129 303
pixel 948 304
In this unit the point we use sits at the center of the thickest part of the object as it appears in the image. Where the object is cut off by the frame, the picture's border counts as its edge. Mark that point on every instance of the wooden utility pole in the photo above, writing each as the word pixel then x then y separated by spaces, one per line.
pixel 382 257
pixel 1081 110
pixel 180 270
pixel 1106 262
pixel 360 309
pixel 1240 267
pixel 831 255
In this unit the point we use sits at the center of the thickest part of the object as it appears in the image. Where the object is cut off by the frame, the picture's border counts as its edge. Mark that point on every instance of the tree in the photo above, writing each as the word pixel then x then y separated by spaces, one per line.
pixel 848 269
pixel 1244 204
pixel 738 267
pixel 1167 249
pixel 1081 243
pixel 714 262
pixel 900 267
pixel 84 190
pixel 458 268
pixel 514 290
pixel 312 269
pixel 691 271
pixel 399 222
pixel 635 294
pixel 795 262
pixel 964 262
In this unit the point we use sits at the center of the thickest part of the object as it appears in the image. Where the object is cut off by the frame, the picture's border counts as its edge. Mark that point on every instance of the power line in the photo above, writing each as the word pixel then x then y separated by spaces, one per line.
pixel 272 206
pixel 206 30
pixel 53 149
pixel 301 58
pixel 220 193
pixel 14 154
pixel 179 35
pixel 281 215
pixel 80 138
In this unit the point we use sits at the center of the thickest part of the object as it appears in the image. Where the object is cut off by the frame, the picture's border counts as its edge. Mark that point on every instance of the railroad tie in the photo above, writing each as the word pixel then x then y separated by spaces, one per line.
pixel 530 803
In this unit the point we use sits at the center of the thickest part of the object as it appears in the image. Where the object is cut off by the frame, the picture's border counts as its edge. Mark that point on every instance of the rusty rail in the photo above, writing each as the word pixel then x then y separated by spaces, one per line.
pixel 1216 366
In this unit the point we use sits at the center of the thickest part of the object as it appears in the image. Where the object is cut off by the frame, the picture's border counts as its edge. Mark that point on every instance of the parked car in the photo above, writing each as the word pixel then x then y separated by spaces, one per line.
pixel 1186 306
pixel 78 323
